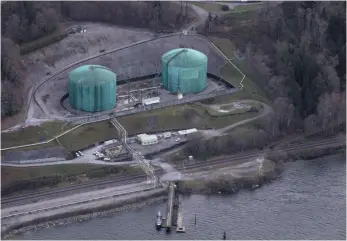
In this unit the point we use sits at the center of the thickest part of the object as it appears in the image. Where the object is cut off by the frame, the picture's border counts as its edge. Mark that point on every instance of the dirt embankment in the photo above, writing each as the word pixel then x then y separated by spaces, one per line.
pixel 227 184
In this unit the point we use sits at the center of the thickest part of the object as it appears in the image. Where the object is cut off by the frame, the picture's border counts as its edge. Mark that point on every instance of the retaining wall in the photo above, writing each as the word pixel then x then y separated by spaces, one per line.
pixel 32 219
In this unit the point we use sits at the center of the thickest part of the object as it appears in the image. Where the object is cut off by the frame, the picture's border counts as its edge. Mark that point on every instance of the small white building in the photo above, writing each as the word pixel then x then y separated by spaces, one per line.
pixel 151 101
pixel 187 132
pixel 145 139
pixel 179 96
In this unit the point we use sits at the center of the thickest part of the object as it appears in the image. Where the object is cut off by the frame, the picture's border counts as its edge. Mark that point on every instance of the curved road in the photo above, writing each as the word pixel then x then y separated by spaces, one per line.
pixel 202 14
pixel 202 17
pixel 222 131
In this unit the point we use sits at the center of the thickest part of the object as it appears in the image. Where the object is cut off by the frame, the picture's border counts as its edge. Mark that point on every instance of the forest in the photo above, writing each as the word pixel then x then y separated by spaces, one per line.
pixel 25 22
pixel 299 49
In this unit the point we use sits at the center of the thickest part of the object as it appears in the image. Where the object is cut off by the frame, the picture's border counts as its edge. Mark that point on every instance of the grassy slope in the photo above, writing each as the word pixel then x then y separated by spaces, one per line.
pixel 10 174
pixel 178 117
pixel 217 8
pixel 209 6
pixel 251 89
pixel 175 117
pixel 32 134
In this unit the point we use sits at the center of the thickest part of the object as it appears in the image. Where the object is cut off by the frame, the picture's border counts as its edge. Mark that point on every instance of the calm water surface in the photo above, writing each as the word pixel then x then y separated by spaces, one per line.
pixel 308 202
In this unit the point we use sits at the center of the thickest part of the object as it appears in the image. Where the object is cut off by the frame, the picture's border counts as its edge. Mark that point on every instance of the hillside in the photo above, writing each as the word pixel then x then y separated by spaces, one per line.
pixel 297 53
pixel 28 26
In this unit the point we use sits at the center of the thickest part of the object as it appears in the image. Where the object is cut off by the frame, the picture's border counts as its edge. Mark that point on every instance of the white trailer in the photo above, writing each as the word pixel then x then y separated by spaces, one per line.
pixel 187 132
pixel 151 101
pixel 108 142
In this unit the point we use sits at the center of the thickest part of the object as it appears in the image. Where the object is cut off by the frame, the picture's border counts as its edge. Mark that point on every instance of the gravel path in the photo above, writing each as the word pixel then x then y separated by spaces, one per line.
pixel 223 131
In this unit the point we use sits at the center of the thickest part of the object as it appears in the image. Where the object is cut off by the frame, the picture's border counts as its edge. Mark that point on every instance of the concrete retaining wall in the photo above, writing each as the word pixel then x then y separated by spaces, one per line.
pixel 102 205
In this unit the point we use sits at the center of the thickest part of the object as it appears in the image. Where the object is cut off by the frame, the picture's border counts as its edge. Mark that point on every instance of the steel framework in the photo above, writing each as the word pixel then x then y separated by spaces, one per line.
pixel 146 167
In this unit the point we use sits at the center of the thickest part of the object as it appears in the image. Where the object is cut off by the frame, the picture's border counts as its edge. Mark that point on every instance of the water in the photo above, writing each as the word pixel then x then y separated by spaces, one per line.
pixel 308 202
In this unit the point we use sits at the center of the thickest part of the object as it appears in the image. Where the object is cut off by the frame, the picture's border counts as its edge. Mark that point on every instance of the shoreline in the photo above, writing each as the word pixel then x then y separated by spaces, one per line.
pixel 106 206
pixel 236 185
pixel 88 216
pixel 229 185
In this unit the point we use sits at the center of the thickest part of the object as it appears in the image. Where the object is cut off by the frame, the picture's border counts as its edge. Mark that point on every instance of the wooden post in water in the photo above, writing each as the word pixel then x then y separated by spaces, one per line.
pixel 195 220
pixel 225 235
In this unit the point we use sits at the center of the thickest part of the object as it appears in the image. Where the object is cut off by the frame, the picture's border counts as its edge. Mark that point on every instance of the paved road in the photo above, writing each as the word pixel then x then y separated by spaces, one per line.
pixel 73 198
pixel 11 222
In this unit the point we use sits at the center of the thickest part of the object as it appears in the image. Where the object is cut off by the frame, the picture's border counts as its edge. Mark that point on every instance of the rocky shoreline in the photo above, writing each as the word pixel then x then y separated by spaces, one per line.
pixel 86 217
pixel 227 185
pixel 222 185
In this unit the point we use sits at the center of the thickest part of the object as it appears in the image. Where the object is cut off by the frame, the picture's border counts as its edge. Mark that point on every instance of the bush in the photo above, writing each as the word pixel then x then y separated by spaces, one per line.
pixel 225 8
pixel 43 42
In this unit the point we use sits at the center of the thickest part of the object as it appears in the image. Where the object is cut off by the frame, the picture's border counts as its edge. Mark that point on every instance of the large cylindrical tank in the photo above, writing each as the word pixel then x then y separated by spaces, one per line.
pixel 92 88
pixel 184 70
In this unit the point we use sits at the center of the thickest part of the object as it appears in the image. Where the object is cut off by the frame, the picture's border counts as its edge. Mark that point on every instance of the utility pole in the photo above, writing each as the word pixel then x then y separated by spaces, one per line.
pixel 127 80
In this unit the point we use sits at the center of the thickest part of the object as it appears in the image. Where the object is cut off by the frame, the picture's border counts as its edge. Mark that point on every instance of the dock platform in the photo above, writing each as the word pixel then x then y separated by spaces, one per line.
pixel 180 228
pixel 170 204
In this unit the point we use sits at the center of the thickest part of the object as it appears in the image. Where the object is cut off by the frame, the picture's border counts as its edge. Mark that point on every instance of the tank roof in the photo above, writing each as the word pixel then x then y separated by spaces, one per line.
pixel 91 75
pixel 184 57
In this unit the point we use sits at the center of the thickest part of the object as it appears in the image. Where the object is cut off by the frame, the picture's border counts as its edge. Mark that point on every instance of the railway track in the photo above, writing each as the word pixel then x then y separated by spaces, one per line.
pixel 241 158
pixel 113 180
pixel 234 159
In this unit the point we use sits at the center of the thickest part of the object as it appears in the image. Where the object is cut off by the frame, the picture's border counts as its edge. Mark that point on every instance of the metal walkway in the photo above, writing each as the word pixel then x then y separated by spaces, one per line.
pixel 146 167
pixel 168 221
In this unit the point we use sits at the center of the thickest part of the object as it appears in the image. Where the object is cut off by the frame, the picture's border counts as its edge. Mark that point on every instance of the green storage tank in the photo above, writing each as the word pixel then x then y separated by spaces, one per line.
pixel 184 70
pixel 92 88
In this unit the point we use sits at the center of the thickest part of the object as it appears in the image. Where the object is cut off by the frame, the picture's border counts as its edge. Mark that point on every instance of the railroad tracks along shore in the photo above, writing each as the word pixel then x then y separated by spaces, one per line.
pixel 120 180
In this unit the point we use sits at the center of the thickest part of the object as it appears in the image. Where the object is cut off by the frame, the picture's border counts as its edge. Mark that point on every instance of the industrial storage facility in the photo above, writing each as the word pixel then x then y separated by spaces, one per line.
pixel 92 88
pixel 184 71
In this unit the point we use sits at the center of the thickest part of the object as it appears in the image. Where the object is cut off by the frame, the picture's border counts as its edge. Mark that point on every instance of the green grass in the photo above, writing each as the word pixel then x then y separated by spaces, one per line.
pixel 247 7
pixel 29 148
pixel 238 111
pixel 217 7
pixel 231 74
pixel 209 6
pixel 216 113
pixel 32 134
pixel 239 17
pixel 87 135
pixel 175 117
pixel 80 171
pixel 241 95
